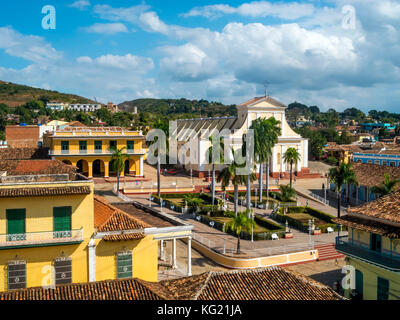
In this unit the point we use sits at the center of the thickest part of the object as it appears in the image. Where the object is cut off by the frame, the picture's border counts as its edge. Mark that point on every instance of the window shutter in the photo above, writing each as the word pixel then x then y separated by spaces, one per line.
pixel 63 270
pixel 15 224
pixel 16 275
pixel 62 221
pixel 124 265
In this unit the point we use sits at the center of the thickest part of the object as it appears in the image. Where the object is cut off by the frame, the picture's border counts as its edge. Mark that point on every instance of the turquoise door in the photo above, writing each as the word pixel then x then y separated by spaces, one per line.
pixel 383 289
pixel 359 283
pixel 375 242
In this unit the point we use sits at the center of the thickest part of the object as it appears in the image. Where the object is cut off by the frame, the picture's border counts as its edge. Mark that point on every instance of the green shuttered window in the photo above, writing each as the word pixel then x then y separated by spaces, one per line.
pixel 15 224
pixel 383 289
pixel 130 145
pixel 62 221
pixel 16 275
pixel 124 265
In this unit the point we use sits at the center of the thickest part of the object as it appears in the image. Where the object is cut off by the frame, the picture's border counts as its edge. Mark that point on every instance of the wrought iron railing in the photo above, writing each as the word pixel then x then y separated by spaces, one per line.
pixel 40 238
pixel 384 258
pixel 105 152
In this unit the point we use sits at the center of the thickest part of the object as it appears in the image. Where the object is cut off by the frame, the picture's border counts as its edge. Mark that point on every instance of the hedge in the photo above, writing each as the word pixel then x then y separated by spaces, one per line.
pixel 245 235
pixel 304 226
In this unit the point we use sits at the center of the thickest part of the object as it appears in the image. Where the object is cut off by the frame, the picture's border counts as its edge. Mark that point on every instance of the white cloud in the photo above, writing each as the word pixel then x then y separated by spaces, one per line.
pixel 31 48
pixel 106 28
pixel 288 11
pixel 80 4
pixel 130 14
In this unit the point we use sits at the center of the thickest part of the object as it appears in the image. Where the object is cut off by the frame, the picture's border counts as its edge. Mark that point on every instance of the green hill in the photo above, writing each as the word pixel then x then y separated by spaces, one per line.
pixel 15 95
pixel 179 107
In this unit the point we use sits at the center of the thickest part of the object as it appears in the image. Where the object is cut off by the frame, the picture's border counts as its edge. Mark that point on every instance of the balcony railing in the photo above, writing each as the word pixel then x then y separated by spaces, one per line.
pixel 92 152
pixel 384 259
pixel 31 239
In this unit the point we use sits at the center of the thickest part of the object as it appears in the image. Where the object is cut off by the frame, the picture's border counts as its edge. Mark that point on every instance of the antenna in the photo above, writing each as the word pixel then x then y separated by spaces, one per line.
pixel 266 83
pixel 95 99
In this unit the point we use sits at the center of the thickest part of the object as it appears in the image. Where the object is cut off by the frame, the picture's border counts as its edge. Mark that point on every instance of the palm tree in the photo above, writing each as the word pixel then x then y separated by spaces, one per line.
pixel 238 223
pixel 229 174
pixel 291 156
pixel 118 158
pixel 386 187
pixel 266 133
pixel 287 192
pixel 251 176
pixel 164 126
pixel 339 176
pixel 220 160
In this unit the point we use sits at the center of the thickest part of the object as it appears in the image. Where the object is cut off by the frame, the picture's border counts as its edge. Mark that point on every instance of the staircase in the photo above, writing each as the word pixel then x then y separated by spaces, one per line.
pixel 327 252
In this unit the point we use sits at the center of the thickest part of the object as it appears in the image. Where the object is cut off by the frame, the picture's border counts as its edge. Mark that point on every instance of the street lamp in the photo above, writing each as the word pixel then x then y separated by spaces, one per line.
pixel 252 231
pixel 309 232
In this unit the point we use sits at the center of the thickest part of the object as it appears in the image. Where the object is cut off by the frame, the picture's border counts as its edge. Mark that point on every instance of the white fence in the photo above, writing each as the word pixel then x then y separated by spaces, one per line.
pixel 323 200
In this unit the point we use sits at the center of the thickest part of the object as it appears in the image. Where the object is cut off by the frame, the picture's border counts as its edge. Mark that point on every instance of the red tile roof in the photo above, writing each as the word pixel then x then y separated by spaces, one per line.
pixel 43 191
pixel 272 283
pixel 35 167
pixel 373 174
pixel 109 218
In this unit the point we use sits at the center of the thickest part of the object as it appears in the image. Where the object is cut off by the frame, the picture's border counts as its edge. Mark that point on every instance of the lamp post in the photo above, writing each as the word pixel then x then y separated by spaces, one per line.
pixel 255 200
pixel 252 229
pixel 309 232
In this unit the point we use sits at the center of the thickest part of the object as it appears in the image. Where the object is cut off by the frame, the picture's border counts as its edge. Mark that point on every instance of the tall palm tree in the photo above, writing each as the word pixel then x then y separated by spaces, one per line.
pixel 229 174
pixel 291 156
pixel 164 126
pixel 339 176
pixel 220 160
pixel 238 223
pixel 118 158
pixel 266 133
pixel 386 187
pixel 251 176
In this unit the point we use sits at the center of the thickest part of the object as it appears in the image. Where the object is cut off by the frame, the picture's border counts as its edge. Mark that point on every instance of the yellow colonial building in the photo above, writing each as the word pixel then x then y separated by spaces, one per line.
pixel 90 149
pixel 54 230
pixel 372 249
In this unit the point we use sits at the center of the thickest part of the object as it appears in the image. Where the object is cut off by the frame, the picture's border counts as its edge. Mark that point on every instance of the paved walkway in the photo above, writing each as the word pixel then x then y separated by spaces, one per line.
pixel 217 240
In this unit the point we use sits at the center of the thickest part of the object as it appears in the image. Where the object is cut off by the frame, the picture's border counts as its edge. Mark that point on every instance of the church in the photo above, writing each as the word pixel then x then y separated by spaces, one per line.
pixel 260 107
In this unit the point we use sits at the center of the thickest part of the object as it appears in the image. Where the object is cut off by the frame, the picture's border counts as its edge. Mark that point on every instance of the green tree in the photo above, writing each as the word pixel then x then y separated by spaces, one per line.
pixel 118 158
pixel 239 223
pixel 230 174
pixel 291 156
pixel 339 176
pixel 266 133
pixel 287 193
pixel 386 187
pixel 216 147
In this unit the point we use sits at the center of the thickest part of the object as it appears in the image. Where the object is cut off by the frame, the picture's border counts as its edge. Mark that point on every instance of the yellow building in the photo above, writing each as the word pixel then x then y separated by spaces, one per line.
pixel 90 149
pixel 53 230
pixel 372 249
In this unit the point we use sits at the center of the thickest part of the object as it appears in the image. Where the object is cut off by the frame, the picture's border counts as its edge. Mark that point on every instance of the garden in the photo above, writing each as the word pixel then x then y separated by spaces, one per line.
pixel 298 218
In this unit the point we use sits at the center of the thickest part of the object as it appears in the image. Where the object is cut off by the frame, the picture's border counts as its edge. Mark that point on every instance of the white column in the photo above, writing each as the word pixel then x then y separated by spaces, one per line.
pixel 299 162
pixel 189 254
pixel 92 260
pixel 305 156
pixel 141 166
pixel 273 162
pixel 174 254
pixel 162 250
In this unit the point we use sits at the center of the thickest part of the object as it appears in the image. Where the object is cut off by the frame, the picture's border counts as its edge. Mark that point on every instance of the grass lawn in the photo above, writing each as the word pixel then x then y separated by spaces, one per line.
pixel 304 217
pixel 257 228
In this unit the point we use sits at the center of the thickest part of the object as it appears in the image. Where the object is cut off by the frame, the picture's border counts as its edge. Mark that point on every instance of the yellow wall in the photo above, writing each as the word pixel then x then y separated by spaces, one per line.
pixel 144 258
pixel 39 217
pixel 370 280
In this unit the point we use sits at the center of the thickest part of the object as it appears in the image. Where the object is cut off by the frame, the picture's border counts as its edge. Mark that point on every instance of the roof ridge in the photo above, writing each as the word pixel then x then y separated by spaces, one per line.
pixel 201 289
pixel 116 210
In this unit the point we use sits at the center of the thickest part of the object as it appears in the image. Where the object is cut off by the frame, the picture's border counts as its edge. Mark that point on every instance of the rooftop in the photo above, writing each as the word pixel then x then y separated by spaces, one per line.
pixel 373 174
pixel 268 99
pixel 386 208
pixel 24 153
pixel 108 218
pixel 272 283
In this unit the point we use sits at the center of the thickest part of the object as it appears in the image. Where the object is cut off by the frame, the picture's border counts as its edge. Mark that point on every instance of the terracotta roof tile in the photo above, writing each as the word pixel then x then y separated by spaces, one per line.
pixel 109 218
pixel 43 191
pixel 373 174
pixel 24 153
pixel 33 167
pixel 385 208
pixel 369 226
pixel 272 283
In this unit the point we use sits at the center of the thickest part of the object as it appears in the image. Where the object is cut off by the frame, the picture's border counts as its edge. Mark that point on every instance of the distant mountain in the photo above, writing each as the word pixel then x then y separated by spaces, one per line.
pixel 16 94
pixel 181 106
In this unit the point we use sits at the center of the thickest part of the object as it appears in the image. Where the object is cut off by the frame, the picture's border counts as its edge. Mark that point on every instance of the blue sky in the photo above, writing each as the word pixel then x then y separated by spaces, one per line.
pixel 332 53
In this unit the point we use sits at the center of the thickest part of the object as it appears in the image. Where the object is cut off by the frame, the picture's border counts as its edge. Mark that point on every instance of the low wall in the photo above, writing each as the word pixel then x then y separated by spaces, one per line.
pixel 252 263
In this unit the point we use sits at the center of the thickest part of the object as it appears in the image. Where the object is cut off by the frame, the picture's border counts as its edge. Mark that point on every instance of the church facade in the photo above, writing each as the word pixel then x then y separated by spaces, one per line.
pixel 261 107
